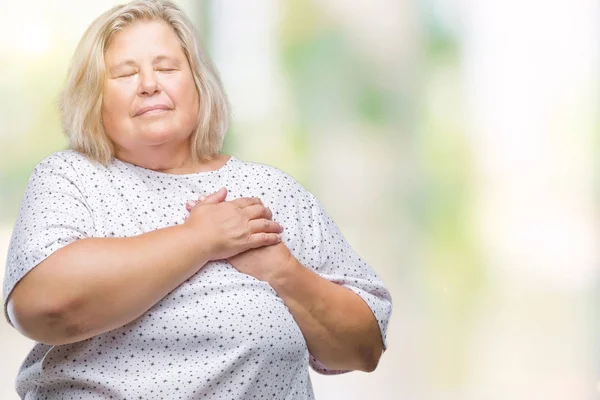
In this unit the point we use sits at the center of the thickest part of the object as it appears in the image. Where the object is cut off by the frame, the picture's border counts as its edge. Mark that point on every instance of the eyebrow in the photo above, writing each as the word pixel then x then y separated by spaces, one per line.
pixel 130 62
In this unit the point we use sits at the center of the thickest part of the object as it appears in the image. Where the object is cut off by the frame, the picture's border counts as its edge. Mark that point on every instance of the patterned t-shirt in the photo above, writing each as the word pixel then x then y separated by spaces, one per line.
pixel 221 334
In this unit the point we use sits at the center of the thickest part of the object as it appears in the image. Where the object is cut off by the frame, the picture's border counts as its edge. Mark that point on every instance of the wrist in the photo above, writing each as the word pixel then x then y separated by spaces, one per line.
pixel 282 279
pixel 194 243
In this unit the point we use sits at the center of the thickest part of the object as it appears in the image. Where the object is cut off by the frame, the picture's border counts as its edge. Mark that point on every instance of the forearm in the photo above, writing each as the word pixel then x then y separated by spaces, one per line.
pixel 98 284
pixel 338 326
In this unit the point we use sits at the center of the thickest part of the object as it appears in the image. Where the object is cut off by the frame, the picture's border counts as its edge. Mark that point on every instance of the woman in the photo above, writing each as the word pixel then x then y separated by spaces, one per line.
pixel 133 287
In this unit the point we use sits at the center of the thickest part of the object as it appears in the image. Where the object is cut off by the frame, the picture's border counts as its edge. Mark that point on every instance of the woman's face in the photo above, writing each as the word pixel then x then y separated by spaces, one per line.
pixel 149 95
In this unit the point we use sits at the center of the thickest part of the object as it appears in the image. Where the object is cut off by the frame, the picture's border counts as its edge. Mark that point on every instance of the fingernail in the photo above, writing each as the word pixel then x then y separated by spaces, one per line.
pixel 202 198
pixel 190 203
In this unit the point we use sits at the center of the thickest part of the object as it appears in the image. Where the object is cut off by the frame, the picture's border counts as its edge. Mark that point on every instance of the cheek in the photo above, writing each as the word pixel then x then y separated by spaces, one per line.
pixel 183 93
pixel 192 103
pixel 115 111
pixel 115 100
pixel 185 99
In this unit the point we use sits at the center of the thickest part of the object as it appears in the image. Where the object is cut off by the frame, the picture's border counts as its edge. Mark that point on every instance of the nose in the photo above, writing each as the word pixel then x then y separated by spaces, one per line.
pixel 148 84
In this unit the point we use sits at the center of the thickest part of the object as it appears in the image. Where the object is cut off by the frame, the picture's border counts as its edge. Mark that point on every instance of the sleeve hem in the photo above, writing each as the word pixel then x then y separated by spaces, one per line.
pixel 320 368
pixel 10 287
pixel 382 320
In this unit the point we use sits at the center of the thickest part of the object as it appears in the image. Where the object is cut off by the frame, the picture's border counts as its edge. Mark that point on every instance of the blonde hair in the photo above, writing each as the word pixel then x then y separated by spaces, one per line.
pixel 81 99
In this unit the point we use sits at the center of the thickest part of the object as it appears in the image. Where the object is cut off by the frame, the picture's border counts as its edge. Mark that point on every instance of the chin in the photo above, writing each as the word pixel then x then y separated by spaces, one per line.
pixel 160 136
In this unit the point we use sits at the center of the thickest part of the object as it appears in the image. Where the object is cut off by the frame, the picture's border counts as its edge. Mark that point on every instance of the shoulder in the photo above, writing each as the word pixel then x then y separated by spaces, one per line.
pixel 64 170
pixel 66 163
pixel 66 157
pixel 274 178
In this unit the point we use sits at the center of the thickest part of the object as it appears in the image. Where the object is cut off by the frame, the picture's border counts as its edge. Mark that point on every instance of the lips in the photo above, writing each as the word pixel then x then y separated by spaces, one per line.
pixel 155 107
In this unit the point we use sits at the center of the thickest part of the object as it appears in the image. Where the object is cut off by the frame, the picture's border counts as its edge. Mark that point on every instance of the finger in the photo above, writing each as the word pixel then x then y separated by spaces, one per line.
pixel 265 225
pixel 269 214
pixel 263 239
pixel 190 204
pixel 214 198
pixel 246 202
pixel 257 211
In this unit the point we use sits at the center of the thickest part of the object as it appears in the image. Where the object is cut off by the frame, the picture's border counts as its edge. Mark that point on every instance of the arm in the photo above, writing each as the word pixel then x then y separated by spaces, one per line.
pixel 338 326
pixel 337 300
pixel 94 285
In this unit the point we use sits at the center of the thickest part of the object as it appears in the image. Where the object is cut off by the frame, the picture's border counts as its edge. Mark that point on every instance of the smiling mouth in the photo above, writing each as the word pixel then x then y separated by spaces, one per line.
pixel 153 112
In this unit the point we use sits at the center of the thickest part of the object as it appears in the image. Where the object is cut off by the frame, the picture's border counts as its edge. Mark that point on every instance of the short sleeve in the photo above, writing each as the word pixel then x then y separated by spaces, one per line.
pixel 53 213
pixel 340 264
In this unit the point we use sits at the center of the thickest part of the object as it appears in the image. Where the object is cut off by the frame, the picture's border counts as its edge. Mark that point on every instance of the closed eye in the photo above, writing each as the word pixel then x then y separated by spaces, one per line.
pixel 127 75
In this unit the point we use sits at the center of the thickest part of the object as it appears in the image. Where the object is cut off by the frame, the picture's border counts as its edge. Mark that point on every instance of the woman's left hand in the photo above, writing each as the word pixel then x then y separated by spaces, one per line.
pixel 263 263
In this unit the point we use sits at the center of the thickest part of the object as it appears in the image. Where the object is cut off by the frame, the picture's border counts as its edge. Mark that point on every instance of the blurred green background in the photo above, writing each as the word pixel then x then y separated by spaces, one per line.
pixel 454 143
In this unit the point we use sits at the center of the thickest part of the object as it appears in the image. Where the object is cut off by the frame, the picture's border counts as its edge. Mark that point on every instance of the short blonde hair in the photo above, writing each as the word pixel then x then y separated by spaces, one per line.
pixel 81 99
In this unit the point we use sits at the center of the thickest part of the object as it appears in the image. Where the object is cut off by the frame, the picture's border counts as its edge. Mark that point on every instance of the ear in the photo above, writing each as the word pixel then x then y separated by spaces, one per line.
pixel 214 198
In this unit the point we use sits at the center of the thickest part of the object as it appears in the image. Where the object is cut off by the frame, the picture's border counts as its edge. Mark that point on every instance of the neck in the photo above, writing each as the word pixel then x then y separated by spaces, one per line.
pixel 169 161
pixel 161 158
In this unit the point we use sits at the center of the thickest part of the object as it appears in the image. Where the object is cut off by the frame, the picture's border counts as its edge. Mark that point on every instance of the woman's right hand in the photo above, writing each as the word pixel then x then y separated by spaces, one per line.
pixel 227 228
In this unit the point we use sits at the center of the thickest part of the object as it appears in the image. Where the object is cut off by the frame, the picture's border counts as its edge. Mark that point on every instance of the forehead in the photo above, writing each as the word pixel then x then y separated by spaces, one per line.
pixel 143 39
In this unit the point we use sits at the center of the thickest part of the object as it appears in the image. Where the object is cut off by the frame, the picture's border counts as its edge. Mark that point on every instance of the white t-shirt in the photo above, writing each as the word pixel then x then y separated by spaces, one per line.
pixel 219 335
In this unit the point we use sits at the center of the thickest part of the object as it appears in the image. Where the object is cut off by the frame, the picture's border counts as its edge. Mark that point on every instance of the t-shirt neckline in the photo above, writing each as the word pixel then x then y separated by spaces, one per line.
pixel 148 171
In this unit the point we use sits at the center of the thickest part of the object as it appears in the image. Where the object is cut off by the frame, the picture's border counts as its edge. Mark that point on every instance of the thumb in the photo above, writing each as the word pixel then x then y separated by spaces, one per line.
pixel 214 198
